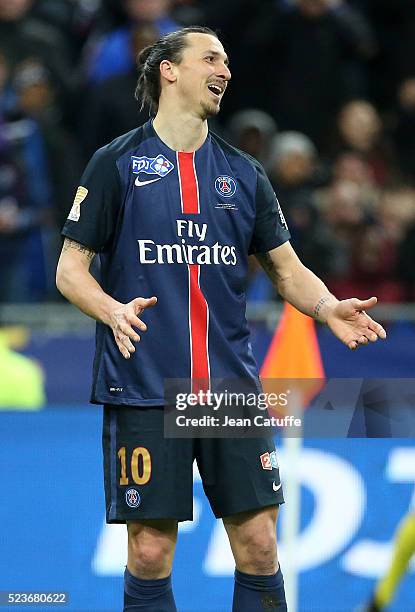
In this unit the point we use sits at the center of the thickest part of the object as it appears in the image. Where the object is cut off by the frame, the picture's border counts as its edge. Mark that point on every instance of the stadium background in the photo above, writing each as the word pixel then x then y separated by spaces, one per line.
pixel 323 94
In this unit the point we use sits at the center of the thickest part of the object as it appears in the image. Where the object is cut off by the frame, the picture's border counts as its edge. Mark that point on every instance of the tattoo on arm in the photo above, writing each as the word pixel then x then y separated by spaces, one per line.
pixel 266 262
pixel 72 244
pixel 319 305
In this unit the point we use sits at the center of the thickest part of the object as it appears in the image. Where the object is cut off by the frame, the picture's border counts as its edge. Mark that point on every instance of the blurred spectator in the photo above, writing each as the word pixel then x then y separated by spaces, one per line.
pixel 343 210
pixel 376 260
pixel 113 54
pixel 294 173
pixel 24 208
pixel 73 19
pixel 404 134
pixel 368 243
pixel 292 161
pixel 36 99
pixel 352 167
pixel 312 55
pixel 301 64
pixel 252 130
pixel 360 130
pixel 110 109
pixel 23 36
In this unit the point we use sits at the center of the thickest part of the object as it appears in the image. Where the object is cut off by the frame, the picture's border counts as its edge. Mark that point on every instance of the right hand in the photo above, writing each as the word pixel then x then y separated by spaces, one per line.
pixel 124 319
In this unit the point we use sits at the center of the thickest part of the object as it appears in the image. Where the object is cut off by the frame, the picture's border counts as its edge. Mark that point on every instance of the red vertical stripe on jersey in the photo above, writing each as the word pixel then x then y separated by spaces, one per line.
pixel 199 322
pixel 188 183
pixel 198 308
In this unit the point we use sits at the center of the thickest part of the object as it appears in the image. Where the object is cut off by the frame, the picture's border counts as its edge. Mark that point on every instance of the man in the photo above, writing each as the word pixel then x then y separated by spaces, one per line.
pixel 174 211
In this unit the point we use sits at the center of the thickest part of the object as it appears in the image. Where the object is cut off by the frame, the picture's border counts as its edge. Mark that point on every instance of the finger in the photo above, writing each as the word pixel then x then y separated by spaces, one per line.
pixel 377 328
pixel 363 340
pixel 124 352
pixel 140 303
pixel 134 320
pixel 353 345
pixel 125 340
pixel 363 304
pixel 128 331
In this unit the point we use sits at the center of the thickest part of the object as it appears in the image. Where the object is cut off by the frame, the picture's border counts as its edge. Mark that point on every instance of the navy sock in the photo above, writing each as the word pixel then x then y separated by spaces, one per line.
pixel 148 595
pixel 259 593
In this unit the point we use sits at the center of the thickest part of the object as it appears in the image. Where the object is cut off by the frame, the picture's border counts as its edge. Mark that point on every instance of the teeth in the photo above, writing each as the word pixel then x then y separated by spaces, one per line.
pixel 216 89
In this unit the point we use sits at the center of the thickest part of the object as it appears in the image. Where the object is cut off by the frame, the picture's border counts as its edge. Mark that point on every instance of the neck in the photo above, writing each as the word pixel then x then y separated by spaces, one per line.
pixel 180 131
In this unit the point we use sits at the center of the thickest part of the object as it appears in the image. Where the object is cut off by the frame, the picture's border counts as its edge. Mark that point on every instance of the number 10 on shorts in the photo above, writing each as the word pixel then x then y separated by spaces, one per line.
pixel 140 466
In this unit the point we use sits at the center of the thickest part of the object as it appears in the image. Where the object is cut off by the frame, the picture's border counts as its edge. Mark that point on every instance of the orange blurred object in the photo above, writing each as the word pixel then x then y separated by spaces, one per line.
pixel 293 359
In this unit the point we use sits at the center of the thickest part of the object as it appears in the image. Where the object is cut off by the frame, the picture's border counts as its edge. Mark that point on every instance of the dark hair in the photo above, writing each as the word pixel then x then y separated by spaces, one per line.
pixel 169 47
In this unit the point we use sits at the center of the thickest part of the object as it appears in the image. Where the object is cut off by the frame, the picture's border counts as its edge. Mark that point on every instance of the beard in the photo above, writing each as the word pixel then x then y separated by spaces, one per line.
pixel 209 109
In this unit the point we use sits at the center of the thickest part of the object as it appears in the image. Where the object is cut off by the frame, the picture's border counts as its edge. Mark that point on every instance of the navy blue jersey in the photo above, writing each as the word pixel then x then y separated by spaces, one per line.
pixel 179 226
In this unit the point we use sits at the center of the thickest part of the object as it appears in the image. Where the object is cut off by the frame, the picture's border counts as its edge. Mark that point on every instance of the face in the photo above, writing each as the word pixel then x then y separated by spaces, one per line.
pixel 360 125
pixel 294 168
pixel 202 75
pixel 344 207
pixel 350 167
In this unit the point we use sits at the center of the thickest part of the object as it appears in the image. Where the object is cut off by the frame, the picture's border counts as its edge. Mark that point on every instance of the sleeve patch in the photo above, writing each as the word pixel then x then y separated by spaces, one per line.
pixel 281 214
pixel 75 212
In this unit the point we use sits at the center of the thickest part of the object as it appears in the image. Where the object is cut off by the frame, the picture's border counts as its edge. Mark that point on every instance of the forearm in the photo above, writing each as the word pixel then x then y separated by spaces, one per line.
pixel 347 319
pixel 307 292
pixel 82 290
pixel 297 284
pixel 77 284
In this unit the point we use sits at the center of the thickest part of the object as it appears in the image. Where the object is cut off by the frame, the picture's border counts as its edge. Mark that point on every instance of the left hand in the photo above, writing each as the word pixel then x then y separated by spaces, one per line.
pixel 349 322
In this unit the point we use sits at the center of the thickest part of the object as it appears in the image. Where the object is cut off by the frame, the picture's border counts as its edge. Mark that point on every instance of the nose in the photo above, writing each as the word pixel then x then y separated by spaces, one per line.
pixel 224 72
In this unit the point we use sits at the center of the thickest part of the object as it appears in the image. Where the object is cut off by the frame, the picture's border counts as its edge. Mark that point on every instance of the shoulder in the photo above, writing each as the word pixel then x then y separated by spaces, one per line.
pixel 231 151
pixel 117 148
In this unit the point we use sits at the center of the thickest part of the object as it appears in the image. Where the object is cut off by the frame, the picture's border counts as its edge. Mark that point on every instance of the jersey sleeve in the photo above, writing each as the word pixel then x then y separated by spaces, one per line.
pixel 93 216
pixel 270 229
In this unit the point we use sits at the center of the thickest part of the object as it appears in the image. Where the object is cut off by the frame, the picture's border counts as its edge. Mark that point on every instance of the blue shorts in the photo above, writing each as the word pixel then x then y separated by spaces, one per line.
pixel 148 476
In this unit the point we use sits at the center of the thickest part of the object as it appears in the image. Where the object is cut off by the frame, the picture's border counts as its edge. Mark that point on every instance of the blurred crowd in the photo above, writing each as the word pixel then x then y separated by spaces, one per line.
pixel 322 94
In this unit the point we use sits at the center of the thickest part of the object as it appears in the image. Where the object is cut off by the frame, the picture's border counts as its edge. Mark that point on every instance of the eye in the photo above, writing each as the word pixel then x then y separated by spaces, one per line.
pixel 210 58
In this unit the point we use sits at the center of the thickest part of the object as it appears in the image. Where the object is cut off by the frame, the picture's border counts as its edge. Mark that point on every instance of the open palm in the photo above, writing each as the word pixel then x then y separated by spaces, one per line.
pixel 352 325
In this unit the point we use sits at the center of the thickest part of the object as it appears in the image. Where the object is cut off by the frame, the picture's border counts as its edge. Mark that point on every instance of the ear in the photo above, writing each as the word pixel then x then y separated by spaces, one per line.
pixel 167 70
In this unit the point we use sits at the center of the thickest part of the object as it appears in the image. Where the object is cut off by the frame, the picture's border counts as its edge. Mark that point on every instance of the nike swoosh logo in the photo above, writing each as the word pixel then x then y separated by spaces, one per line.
pixel 275 487
pixel 139 183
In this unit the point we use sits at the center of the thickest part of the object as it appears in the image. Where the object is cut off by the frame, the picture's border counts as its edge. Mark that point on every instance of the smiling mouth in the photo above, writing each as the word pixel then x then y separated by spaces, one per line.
pixel 216 90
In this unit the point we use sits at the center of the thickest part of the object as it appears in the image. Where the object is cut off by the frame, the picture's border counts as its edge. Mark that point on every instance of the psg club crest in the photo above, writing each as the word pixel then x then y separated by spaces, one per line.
pixel 158 165
pixel 225 186
pixel 132 498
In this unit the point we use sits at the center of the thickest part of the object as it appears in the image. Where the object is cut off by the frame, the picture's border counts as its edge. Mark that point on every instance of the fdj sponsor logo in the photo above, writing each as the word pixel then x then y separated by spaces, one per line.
pixel 132 498
pixel 158 165
pixel 225 186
